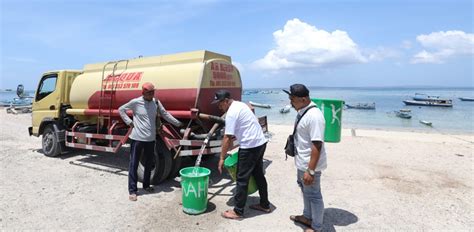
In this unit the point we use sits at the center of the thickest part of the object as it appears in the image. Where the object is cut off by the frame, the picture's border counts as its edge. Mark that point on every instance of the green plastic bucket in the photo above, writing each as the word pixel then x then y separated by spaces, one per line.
pixel 332 111
pixel 230 163
pixel 194 184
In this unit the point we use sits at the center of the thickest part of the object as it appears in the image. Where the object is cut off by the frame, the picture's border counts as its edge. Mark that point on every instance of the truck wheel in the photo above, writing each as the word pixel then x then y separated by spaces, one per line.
pixel 175 167
pixel 161 164
pixel 50 143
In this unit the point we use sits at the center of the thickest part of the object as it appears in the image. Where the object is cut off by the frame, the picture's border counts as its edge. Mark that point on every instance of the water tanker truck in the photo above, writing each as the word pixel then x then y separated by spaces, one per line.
pixel 78 109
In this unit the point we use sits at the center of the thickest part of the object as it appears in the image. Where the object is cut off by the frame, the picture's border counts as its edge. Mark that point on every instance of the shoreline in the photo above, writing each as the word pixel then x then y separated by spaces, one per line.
pixel 428 130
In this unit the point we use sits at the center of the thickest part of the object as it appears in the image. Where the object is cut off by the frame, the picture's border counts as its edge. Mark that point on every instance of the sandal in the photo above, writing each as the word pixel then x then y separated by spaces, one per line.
pixel 301 219
pixel 231 214
pixel 260 208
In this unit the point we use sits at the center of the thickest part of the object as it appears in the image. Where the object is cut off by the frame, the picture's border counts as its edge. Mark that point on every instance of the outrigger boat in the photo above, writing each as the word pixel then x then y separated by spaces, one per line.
pixel 362 106
pixel 466 98
pixel 260 105
pixel 426 122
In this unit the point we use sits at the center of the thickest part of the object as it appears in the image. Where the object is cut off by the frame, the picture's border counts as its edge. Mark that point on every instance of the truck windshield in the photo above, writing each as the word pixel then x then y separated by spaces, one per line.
pixel 47 86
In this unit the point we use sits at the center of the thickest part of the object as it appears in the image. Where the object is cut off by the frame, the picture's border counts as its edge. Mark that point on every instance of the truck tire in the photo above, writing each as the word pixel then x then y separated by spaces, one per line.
pixel 176 166
pixel 49 142
pixel 161 164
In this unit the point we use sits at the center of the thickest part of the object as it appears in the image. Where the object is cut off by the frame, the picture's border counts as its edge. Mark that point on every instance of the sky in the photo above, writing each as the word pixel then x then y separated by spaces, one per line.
pixel 331 43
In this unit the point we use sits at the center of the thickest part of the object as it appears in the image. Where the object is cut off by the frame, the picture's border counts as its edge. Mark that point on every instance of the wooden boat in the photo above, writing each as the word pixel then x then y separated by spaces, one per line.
pixel 362 106
pixel 426 122
pixel 285 109
pixel 466 98
pixel 260 105
pixel 442 103
pixel 404 115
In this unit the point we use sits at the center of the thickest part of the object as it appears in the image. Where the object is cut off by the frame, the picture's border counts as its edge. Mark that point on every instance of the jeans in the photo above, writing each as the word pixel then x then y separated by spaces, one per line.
pixel 250 164
pixel 313 200
pixel 138 148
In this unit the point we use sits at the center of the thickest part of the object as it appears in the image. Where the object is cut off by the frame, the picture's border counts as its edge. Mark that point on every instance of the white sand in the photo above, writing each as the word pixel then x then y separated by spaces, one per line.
pixel 379 180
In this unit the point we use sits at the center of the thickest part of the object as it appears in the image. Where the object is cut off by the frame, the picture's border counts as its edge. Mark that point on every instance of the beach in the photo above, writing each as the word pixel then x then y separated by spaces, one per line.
pixel 376 180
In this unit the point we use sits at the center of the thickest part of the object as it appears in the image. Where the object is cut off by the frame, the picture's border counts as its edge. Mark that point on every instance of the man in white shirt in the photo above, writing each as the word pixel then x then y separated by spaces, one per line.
pixel 241 123
pixel 310 158
pixel 145 109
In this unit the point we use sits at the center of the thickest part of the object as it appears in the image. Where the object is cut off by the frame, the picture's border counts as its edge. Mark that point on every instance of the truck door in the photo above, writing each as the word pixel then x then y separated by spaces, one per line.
pixel 46 102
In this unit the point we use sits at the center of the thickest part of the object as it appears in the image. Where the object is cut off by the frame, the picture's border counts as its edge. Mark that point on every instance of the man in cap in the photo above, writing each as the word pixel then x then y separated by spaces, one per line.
pixel 145 110
pixel 242 124
pixel 310 157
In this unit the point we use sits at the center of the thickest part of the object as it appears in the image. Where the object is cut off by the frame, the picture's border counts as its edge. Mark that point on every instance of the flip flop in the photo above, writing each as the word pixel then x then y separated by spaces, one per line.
pixel 260 208
pixel 230 214
pixel 301 219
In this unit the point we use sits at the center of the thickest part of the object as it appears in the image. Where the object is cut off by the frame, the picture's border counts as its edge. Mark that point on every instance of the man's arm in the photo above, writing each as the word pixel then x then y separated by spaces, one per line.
pixel 123 112
pixel 226 143
pixel 167 116
pixel 313 162
pixel 315 151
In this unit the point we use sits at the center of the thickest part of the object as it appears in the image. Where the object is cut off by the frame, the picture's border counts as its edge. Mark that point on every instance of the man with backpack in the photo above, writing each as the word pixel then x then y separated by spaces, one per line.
pixel 310 156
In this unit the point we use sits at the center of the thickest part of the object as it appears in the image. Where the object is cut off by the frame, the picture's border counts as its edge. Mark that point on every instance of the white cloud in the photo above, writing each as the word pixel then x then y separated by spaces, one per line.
pixel 382 53
pixel 440 46
pixel 406 44
pixel 239 66
pixel 301 46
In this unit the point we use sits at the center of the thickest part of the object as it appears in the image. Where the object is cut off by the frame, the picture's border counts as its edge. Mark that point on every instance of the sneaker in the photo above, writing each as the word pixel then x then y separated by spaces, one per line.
pixel 132 197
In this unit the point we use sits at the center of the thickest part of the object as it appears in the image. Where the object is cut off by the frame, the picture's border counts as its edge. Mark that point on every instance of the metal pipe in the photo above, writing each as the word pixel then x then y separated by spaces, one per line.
pixel 209 117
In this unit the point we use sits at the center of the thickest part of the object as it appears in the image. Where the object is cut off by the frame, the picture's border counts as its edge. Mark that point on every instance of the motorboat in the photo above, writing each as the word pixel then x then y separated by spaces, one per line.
pixel 260 105
pixel 442 103
pixel 401 114
pixel 362 106
pixel 285 109
pixel 425 97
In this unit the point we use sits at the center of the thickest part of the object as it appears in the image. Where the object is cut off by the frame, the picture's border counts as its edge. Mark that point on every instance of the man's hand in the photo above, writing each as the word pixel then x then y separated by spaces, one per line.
pixel 308 179
pixel 220 165
pixel 131 125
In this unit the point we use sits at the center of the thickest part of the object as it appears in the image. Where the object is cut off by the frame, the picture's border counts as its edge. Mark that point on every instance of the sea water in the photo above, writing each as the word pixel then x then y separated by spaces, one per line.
pixel 456 119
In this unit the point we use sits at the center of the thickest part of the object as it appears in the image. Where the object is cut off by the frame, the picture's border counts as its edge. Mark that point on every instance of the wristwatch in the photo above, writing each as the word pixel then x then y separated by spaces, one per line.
pixel 310 172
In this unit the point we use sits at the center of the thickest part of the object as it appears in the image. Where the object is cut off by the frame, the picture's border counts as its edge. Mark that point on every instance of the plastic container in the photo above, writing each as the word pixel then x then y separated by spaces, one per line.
pixel 230 163
pixel 194 185
pixel 332 111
